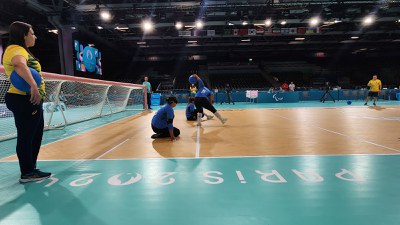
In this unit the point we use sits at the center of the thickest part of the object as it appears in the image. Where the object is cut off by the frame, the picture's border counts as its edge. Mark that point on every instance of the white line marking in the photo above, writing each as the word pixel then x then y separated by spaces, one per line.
pixel 105 153
pixel 360 139
pixel 91 129
pixel 198 142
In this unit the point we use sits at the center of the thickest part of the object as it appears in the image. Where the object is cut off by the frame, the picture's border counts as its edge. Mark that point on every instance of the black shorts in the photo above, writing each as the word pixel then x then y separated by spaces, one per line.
pixel 373 94
pixel 201 102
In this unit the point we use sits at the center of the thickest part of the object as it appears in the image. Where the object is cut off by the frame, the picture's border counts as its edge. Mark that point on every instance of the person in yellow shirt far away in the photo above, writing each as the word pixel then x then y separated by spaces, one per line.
pixel 375 87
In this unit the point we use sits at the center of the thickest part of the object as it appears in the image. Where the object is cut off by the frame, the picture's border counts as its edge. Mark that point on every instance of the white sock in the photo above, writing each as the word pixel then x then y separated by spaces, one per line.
pixel 219 116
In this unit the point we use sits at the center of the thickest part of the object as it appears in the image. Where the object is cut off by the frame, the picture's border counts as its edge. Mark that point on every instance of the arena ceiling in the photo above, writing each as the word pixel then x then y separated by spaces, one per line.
pixel 341 24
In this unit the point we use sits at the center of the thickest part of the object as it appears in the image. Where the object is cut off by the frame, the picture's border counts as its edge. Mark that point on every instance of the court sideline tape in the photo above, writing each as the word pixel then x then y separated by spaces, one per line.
pixel 105 153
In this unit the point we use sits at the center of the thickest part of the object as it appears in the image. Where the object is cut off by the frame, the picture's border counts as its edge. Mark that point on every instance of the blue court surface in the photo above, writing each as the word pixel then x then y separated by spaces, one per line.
pixel 265 190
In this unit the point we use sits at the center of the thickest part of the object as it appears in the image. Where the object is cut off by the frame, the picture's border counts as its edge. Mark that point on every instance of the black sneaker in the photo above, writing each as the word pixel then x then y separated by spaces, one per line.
pixel 36 175
pixel 374 104
pixel 44 173
pixel 155 136
pixel 365 104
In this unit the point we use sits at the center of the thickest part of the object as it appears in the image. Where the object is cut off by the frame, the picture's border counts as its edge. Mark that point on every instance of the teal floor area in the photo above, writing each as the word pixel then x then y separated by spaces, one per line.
pixel 312 190
pixel 295 190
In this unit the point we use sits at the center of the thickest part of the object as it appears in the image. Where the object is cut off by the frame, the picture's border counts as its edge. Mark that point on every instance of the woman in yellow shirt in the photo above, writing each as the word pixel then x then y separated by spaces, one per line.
pixel 27 107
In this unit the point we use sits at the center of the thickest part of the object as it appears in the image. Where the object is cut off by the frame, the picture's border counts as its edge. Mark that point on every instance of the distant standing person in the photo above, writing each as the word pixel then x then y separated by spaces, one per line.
pixel 292 86
pixel 285 86
pixel 193 90
pixel 148 85
pixel 375 87
pixel 27 106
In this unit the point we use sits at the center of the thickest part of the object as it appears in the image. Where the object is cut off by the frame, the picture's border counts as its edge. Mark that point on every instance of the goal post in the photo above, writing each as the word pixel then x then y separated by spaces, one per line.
pixel 72 99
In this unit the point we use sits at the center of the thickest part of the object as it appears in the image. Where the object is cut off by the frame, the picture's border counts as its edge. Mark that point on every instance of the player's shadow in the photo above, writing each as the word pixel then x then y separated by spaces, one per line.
pixel 208 139
pixel 173 153
pixel 165 147
pixel 53 205
pixel 378 108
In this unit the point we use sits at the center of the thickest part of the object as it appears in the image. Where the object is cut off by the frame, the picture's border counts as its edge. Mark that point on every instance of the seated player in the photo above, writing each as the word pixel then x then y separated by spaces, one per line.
pixel 191 111
pixel 162 122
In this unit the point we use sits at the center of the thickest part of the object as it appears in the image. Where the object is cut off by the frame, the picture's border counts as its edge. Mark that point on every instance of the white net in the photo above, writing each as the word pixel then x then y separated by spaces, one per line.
pixel 70 100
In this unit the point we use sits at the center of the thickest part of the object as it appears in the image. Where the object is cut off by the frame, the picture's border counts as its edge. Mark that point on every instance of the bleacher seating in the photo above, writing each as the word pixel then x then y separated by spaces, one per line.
pixel 238 81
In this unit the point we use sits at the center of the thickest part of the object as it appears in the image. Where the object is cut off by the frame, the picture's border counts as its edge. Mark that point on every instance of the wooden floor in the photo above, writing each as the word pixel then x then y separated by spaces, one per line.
pixel 248 132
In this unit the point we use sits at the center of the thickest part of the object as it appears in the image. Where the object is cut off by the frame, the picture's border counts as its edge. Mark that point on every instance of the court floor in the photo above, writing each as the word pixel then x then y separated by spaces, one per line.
pixel 308 163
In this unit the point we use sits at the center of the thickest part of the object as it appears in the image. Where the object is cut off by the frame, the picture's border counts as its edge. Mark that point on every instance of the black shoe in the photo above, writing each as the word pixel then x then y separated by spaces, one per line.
pixel 155 136
pixel 374 104
pixel 44 173
pixel 365 104
pixel 35 175
pixel 150 108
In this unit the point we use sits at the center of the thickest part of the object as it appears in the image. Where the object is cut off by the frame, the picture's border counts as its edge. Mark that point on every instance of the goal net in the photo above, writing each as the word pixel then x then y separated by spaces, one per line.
pixel 72 99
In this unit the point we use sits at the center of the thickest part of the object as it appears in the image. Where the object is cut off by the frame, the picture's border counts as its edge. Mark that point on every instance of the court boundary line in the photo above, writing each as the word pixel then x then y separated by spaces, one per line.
pixel 197 155
pixel 347 136
pixel 136 115
pixel 112 149
pixel 208 157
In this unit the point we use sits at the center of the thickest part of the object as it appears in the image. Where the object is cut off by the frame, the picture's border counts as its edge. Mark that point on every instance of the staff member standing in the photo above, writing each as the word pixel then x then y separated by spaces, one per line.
pixel 148 85
pixel 375 87
pixel 27 107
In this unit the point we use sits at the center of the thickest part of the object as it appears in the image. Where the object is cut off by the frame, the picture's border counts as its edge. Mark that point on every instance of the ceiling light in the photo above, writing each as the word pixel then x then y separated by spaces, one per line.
pixel 283 22
pixel 178 25
pixel 368 20
pixel 121 28
pixel 199 24
pixel 299 39
pixel 105 15
pixel 244 23
pixel 246 40
pixel 314 21
pixel 147 26
pixel 141 42
pixel 354 37
pixel 192 42
pixel 230 24
pixel 54 31
pixel 268 22
pixel 100 27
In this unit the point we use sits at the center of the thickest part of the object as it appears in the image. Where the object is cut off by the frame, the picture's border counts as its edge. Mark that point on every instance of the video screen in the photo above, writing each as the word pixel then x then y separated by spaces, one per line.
pixel 87 58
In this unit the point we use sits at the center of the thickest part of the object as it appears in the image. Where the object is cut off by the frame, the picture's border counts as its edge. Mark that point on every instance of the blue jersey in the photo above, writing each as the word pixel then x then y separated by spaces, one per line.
pixel 203 92
pixel 189 110
pixel 164 117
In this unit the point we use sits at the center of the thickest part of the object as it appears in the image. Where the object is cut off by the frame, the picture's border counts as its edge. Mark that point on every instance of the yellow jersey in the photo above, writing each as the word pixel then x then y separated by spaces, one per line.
pixel 14 50
pixel 375 85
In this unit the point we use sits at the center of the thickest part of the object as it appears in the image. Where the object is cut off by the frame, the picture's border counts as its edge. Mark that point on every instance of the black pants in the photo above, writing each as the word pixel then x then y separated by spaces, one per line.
pixel 30 123
pixel 201 102
pixel 165 132
pixel 149 100
pixel 193 115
